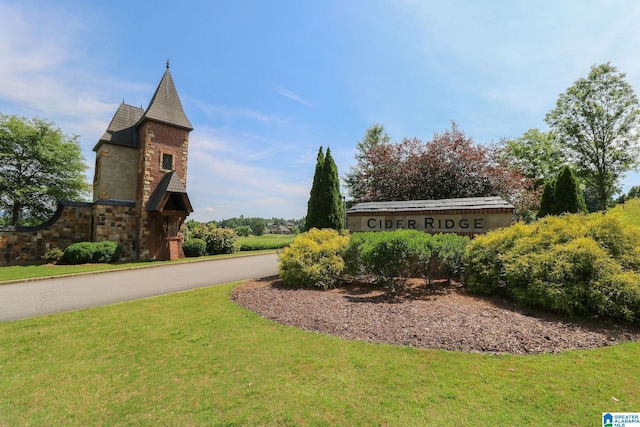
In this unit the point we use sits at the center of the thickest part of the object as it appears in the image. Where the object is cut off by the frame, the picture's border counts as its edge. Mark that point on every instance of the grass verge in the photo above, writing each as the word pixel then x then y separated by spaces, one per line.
pixel 195 358
pixel 34 271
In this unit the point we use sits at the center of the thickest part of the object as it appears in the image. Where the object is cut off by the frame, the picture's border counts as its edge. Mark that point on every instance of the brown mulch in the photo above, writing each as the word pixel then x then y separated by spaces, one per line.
pixel 436 316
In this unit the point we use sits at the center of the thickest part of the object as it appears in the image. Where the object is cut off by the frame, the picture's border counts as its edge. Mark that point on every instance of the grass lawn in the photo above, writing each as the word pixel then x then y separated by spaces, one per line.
pixel 266 241
pixel 195 358
pixel 629 211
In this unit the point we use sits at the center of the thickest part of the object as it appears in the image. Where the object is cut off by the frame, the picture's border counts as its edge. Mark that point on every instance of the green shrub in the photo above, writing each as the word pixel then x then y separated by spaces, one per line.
pixel 194 247
pixel 222 241
pixel 314 259
pixel 573 264
pixel 447 253
pixel 484 268
pixel 78 253
pixel 53 255
pixel 87 252
pixel 104 252
pixel 352 254
pixel 393 257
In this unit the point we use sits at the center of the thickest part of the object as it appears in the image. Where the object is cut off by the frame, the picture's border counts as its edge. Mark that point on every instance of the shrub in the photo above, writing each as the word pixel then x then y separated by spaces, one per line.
pixel 573 264
pixel 53 255
pixel 78 253
pixel 393 257
pixel 104 252
pixel 86 252
pixel 194 247
pixel 313 259
pixel 222 241
pixel 447 252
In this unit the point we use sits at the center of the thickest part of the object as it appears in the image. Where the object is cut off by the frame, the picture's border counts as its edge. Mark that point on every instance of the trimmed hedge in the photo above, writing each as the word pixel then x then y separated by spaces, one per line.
pixel 574 264
pixel 92 252
pixel 194 247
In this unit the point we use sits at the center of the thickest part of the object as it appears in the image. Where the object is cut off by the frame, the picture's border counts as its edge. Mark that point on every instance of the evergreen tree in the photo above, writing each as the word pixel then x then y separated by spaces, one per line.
pixel 325 208
pixel 333 204
pixel 567 194
pixel 548 200
pixel 562 194
pixel 314 206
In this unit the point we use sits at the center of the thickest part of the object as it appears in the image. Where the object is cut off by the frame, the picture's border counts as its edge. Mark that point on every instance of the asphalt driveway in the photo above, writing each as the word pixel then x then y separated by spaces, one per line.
pixel 55 295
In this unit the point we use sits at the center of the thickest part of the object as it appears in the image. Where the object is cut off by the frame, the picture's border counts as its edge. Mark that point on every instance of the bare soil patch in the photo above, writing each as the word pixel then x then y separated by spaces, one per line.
pixel 437 316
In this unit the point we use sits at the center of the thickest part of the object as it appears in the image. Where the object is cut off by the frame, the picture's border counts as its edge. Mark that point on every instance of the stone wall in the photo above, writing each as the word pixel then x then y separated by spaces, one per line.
pixel 116 221
pixel 71 223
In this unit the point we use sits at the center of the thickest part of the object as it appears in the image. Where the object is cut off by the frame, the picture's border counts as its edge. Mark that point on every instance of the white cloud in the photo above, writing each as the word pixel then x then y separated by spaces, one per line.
pixel 287 93
pixel 222 183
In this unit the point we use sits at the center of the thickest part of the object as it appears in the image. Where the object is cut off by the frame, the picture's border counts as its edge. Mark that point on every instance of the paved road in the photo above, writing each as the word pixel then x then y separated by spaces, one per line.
pixel 28 299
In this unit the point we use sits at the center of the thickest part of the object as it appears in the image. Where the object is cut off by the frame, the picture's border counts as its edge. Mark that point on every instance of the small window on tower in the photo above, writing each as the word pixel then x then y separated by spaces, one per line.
pixel 167 162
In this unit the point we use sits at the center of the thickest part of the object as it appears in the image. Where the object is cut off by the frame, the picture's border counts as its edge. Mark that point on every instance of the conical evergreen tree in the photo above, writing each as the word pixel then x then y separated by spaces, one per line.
pixel 548 199
pixel 567 193
pixel 333 209
pixel 314 206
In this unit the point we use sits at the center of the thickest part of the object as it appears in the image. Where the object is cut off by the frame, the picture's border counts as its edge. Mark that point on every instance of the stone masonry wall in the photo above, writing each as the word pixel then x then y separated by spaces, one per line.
pixel 116 222
pixel 71 223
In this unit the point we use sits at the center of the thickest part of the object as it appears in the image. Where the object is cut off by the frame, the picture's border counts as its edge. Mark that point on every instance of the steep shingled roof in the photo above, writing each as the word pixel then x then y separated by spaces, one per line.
pixel 121 130
pixel 165 106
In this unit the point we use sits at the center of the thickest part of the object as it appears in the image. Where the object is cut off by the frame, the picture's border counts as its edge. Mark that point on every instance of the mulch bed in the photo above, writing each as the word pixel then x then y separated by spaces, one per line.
pixel 436 316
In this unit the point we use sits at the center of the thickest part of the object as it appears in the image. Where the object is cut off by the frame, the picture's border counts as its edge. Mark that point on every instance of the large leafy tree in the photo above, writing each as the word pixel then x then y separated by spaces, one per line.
pixel 538 155
pixel 596 121
pixel 359 179
pixel 451 165
pixel 39 166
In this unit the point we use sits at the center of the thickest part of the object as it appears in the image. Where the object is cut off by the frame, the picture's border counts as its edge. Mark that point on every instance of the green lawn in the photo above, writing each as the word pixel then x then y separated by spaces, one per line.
pixel 629 211
pixel 195 358
pixel 266 241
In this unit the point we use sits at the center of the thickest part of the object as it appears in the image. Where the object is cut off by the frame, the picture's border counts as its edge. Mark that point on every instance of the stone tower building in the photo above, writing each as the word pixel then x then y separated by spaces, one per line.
pixel 141 163
pixel 139 188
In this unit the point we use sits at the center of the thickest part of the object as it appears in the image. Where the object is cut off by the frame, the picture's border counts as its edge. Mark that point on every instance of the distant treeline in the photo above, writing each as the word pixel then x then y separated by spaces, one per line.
pixel 256 226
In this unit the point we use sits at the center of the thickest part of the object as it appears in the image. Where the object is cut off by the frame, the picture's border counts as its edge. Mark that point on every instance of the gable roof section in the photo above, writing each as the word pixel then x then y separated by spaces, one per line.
pixel 122 130
pixel 169 187
pixel 165 106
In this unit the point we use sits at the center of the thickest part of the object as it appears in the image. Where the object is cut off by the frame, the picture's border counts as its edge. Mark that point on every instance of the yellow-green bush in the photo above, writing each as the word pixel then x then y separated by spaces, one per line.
pixel 574 264
pixel 314 259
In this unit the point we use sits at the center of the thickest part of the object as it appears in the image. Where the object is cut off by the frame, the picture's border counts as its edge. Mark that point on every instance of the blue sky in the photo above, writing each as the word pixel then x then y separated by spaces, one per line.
pixel 266 83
